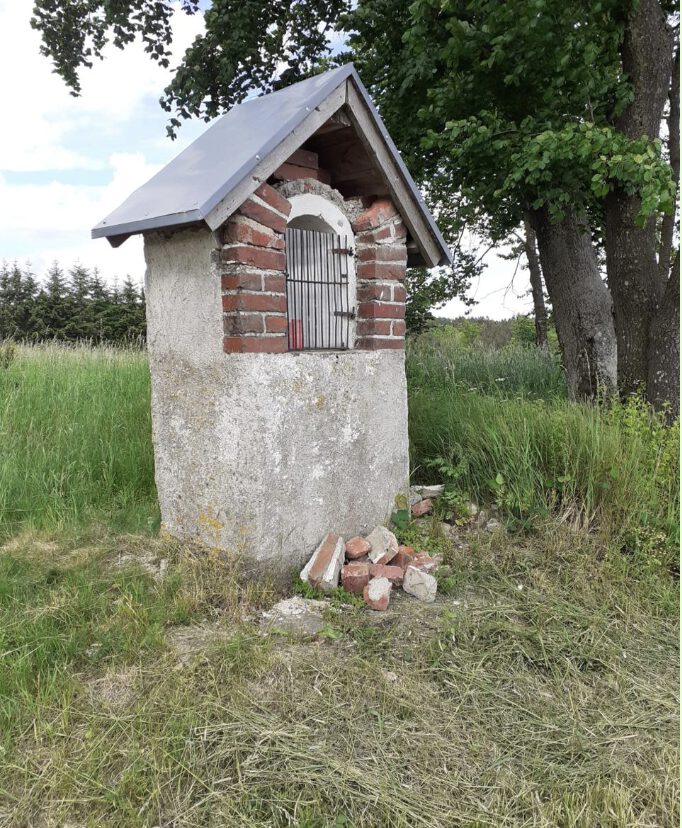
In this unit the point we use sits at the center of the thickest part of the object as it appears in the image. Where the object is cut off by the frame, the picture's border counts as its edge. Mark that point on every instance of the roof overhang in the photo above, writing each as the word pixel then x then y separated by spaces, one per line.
pixel 339 89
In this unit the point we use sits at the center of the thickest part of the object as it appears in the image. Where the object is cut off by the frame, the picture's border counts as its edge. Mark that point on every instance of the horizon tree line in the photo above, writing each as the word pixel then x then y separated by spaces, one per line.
pixel 69 305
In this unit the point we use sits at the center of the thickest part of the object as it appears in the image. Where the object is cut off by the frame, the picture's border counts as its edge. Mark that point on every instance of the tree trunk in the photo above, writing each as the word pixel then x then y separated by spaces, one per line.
pixel 582 304
pixel 664 361
pixel 631 251
pixel 668 223
pixel 632 269
pixel 536 286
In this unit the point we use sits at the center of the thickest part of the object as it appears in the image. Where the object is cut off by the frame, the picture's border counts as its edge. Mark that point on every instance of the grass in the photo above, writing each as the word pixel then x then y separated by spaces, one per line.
pixel 75 440
pixel 138 689
pixel 613 469
pixel 437 362
pixel 541 691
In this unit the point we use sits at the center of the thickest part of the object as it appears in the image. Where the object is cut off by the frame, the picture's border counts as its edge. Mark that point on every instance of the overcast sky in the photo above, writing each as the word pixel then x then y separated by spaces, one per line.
pixel 66 162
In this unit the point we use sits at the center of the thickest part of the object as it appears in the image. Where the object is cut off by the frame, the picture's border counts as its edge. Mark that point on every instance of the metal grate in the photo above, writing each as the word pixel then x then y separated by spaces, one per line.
pixel 318 306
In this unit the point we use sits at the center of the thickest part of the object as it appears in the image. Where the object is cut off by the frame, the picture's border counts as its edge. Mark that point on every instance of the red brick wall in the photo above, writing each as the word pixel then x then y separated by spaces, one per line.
pixel 253 275
pixel 252 280
pixel 381 263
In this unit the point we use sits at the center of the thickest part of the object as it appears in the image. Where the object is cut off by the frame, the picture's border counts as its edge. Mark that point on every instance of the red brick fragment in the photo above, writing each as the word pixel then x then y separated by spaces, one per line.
pixel 274 284
pixel 239 231
pixel 373 327
pixel 390 571
pixel 422 508
pixel 380 292
pixel 399 293
pixel 377 594
pixel 274 199
pixel 276 324
pixel 243 323
pixel 404 557
pixel 264 215
pixel 323 558
pixel 304 158
pixel 357 547
pixel 381 310
pixel 265 259
pixel 377 343
pixel 292 172
pixel 355 577
pixel 383 253
pixel 424 562
pixel 245 280
pixel 380 211
pixel 274 303
pixel 255 344
pixel 382 270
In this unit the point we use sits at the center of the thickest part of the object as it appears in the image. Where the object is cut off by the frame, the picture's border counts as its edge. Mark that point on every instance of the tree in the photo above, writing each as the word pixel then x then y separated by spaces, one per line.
pixel 525 105
pixel 53 305
pixel 432 289
pixel 535 271
pixel 492 79
pixel 521 100
pixel 632 244
pixel 18 290
pixel 81 307
pixel 246 45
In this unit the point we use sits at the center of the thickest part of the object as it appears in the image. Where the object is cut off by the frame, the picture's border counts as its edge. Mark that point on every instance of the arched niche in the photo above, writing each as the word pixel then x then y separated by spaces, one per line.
pixel 321 276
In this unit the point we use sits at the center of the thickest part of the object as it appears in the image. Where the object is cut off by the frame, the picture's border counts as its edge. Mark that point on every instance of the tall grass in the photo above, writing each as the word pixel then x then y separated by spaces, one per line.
pixel 510 371
pixel 613 468
pixel 75 443
pixel 75 439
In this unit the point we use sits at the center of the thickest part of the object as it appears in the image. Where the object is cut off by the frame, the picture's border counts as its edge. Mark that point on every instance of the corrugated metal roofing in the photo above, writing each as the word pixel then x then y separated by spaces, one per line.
pixel 203 174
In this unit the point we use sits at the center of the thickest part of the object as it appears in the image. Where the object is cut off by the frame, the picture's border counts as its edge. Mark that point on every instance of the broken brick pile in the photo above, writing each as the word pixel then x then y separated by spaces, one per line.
pixel 372 566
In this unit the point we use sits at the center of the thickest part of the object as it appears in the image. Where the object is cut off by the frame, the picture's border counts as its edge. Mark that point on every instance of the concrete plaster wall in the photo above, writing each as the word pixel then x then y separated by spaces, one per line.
pixel 262 454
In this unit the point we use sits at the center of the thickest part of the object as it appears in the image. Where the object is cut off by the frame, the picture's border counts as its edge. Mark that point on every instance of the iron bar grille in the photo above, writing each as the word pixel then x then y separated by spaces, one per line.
pixel 317 281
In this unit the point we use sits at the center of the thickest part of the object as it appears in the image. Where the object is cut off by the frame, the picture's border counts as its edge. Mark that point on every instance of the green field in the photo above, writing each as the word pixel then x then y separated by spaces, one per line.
pixel 541 689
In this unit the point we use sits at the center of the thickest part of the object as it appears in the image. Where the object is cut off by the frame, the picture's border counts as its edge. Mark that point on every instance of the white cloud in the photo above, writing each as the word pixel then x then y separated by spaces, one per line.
pixel 47 115
pixel 50 140
pixel 54 139
pixel 53 221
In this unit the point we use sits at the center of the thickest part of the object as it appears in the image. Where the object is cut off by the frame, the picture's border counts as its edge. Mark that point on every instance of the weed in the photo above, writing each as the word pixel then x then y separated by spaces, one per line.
pixel 8 351
pixel 337 597
pixel 612 469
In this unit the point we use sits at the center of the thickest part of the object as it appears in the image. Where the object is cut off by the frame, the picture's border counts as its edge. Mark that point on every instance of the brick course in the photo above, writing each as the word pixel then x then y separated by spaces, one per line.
pixel 254 260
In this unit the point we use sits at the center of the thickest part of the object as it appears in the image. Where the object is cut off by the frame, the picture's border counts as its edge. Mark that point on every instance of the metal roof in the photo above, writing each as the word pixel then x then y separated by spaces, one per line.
pixel 190 186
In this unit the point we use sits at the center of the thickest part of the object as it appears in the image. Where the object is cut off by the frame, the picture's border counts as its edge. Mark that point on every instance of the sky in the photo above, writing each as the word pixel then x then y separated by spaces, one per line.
pixel 66 162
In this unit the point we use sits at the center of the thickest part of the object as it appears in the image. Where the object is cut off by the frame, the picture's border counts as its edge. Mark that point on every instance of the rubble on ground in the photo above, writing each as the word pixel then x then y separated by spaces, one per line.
pixel 427 492
pixel 420 584
pixel 357 547
pixel 373 565
pixel 377 594
pixel 298 616
pixel 384 545
pixel 323 569
pixel 422 508
pixel 355 577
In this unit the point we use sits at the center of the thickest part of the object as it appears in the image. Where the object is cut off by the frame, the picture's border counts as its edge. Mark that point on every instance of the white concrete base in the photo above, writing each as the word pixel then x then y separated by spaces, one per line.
pixel 262 454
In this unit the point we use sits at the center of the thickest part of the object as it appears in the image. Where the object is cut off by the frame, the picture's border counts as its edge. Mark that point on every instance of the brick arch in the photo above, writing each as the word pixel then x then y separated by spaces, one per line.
pixel 253 267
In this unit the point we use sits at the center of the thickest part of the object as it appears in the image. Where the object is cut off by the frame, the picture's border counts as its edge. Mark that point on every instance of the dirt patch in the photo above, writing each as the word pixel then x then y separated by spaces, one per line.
pixel 298 616
pixel 196 640
pixel 116 688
